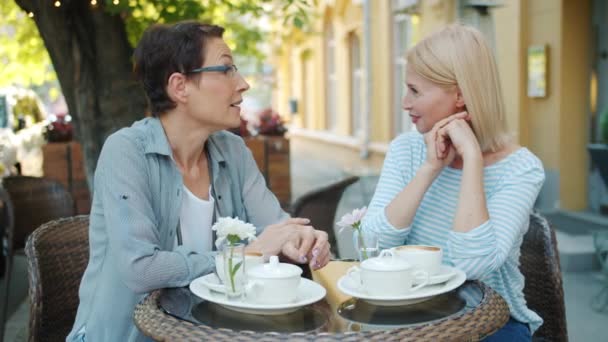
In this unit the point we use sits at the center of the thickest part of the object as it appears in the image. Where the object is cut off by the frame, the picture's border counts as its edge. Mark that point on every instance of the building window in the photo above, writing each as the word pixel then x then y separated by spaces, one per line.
pixel 405 35
pixel 306 104
pixel 331 78
pixel 480 17
pixel 356 91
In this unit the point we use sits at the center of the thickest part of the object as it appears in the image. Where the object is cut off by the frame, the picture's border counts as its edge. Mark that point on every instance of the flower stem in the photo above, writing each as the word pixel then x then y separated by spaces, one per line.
pixel 230 268
pixel 362 245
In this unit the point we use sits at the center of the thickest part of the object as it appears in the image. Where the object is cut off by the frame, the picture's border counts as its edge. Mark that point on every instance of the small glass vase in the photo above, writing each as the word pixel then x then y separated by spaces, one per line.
pixel 366 244
pixel 234 270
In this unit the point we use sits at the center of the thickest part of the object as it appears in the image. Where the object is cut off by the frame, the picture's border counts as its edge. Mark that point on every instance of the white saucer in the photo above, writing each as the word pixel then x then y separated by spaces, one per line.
pixel 308 292
pixel 445 273
pixel 348 287
pixel 212 282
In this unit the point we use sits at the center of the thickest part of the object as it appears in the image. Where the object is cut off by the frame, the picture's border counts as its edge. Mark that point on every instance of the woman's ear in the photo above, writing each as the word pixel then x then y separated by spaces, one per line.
pixel 176 87
pixel 460 99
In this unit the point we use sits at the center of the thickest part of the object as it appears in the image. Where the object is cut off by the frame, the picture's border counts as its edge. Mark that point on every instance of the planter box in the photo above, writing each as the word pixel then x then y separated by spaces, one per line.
pixel 273 158
pixel 64 163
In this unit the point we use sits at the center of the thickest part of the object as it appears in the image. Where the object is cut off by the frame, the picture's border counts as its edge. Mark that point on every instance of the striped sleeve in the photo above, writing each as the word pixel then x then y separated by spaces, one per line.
pixel 484 249
pixel 393 178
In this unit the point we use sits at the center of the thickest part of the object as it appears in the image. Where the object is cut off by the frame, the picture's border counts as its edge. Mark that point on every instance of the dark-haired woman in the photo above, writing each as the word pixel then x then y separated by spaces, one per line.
pixel 161 183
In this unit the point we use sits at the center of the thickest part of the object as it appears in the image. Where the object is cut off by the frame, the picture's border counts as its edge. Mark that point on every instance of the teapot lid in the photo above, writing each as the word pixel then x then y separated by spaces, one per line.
pixel 274 269
pixel 386 261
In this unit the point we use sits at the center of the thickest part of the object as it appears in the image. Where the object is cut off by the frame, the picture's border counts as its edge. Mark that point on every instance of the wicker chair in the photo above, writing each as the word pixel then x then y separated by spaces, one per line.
pixel 599 302
pixel 320 205
pixel 57 255
pixel 543 290
pixel 6 228
pixel 35 201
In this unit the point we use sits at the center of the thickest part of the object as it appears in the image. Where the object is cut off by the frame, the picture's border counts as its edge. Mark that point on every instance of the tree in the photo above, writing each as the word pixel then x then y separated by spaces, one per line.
pixel 90 43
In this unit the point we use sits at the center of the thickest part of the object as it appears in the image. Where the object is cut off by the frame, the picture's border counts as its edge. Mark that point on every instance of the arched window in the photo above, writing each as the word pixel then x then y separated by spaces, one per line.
pixel 331 78
pixel 356 85
pixel 405 35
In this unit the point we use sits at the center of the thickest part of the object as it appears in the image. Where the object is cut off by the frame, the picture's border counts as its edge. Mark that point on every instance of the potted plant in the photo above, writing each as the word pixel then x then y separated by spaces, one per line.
pixel 599 151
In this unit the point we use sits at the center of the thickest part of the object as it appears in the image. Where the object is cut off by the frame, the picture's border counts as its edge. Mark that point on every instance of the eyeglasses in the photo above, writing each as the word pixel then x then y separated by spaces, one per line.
pixel 228 70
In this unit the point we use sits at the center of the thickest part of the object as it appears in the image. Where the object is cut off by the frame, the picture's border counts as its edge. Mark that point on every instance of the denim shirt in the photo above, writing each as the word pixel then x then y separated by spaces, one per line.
pixel 134 217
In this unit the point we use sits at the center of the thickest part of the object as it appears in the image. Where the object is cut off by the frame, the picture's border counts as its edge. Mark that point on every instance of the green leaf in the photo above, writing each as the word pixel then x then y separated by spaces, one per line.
pixel 297 22
pixel 235 269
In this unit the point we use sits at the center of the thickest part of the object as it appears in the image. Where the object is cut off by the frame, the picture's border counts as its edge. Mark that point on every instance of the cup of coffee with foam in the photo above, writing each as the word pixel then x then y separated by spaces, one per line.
pixel 422 257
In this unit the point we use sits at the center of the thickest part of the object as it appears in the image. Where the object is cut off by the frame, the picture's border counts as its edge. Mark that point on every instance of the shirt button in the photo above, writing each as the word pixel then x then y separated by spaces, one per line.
pixel 171 233
pixel 178 192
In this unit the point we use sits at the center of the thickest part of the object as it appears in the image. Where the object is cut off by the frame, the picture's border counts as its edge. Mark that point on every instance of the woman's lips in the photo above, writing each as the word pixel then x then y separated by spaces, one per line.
pixel 414 118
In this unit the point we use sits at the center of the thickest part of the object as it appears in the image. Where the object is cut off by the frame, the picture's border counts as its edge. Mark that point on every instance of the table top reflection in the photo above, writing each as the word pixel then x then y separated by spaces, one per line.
pixel 469 312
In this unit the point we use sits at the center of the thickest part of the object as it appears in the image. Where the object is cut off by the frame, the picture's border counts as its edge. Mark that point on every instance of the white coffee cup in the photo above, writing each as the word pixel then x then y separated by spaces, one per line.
pixel 426 258
pixel 387 275
pixel 252 259
pixel 273 282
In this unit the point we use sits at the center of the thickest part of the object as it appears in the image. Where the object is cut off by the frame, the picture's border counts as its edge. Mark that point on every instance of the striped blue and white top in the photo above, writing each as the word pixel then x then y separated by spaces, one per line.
pixel 489 252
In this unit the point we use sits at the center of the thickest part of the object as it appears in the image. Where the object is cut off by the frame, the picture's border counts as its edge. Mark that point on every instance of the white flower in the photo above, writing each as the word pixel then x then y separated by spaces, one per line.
pixel 353 219
pixel 233 230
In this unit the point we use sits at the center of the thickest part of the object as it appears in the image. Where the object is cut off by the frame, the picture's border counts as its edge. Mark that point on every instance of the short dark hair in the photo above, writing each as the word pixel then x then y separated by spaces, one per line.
pixel 165 49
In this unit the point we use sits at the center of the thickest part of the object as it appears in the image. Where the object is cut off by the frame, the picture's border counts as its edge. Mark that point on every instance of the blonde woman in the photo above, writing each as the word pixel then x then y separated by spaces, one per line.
pixel 460 182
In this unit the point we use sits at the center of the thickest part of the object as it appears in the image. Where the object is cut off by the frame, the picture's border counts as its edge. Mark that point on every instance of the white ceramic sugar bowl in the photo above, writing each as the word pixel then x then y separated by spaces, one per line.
pixel 273 282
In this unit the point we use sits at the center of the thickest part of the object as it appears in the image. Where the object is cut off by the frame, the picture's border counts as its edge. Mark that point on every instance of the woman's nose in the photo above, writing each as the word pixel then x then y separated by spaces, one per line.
pixel 406 103
pixel 243 86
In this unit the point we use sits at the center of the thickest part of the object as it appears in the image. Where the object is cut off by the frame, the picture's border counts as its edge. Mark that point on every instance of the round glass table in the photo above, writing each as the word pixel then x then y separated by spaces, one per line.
pixel 470 312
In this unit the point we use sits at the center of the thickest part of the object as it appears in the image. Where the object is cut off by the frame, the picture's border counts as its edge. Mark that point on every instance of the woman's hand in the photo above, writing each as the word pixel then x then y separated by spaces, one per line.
pixel 312 244
pixel 439 151
pixel 296 240
pixel 457 135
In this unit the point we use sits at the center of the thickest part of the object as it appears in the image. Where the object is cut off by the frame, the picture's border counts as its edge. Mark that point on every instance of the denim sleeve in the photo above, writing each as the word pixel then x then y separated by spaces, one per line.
pixel 134 235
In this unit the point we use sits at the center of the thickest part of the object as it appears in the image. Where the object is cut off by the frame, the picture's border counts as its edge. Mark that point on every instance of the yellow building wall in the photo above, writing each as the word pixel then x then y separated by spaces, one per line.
pixel 542 114
pixel 574 103
pixel 509 23
pixel 381 72
pixel 554 127
pixel 435 14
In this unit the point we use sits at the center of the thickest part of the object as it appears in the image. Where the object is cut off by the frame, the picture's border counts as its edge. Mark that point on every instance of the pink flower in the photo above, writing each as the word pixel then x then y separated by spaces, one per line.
pixel 353 219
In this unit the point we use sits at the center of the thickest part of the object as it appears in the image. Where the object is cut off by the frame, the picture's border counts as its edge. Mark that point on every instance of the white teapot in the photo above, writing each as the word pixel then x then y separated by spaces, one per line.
pixel 273 282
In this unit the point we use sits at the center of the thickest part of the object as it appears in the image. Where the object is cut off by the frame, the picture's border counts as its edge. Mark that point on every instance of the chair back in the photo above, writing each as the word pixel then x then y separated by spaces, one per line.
pixel 544 292
pixel 57 255
pixel 36 201
pixel 6 227
pixel 320 206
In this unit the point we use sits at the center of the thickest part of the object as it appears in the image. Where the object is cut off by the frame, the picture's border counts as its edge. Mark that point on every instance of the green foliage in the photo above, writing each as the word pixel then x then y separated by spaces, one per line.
pixel 22 48
pixel 241 18
pixel 604 126
pixel 28 108
pixel 22 52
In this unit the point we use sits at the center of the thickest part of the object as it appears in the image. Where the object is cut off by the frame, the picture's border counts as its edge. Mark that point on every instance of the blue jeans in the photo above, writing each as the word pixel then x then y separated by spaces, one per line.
pixel 514 331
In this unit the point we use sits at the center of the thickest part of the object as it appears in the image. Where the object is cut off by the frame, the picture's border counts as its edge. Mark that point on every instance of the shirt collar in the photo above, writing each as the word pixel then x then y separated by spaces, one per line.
pixel 158 142
pixel 157 139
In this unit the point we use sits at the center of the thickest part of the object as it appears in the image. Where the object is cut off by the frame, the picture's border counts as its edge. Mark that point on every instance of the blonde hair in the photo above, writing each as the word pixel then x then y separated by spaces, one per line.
pixel 459 56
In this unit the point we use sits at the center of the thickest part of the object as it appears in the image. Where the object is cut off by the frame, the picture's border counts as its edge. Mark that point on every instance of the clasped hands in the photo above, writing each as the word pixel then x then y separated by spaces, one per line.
pixel 295 239
pixel 449 138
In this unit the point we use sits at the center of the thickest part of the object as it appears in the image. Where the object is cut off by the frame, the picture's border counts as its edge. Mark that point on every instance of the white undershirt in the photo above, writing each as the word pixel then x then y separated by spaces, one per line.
pixel 195 222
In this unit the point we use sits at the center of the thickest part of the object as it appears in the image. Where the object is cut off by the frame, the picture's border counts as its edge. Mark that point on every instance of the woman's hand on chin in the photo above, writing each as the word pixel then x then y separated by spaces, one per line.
pixel 439 150
pixel 457 135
